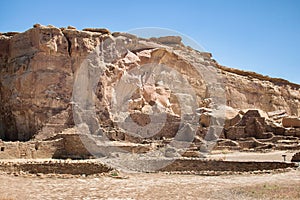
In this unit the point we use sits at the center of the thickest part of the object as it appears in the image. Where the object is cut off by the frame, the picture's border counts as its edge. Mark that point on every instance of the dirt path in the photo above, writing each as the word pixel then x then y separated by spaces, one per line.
pixel 154 186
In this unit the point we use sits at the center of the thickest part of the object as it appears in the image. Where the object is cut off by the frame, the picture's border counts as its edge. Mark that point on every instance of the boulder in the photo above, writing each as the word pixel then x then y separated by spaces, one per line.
pixel 185 133
pixel 291 122
pixel 191 154
pixel 232 121
pixel 250 114
pixel 236 132
pixel 205 119
pixel 296 157
pixel 276 113
pixel 250 125
pixel 168 40
pixel 98 30
pixel 275 128
pixel 71 27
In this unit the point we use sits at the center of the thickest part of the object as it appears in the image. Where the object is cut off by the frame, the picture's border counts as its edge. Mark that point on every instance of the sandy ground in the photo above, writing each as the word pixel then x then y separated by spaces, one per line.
pixel 160 185
pixel 253 156
pixel 154 186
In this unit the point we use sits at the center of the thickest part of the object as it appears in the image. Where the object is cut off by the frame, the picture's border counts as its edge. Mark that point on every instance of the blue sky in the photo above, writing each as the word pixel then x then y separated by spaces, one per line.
pixel 256 35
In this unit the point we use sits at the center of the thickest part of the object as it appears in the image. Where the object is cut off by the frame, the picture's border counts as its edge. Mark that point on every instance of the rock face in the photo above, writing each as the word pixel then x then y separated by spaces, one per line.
pixel 36 80
pixel 44 90
pixel 256 91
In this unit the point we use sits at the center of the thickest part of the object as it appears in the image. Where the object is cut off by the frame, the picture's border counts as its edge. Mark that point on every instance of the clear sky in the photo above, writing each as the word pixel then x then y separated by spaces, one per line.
pixel 256 35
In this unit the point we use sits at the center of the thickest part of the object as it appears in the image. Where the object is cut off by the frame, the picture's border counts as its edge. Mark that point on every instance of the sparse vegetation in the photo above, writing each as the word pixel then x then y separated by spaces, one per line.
pixel 114 173
pixel 270 191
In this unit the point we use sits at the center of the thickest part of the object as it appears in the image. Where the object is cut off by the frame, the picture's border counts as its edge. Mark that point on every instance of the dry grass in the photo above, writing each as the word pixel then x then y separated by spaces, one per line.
pixel 270 191
pixel 121 185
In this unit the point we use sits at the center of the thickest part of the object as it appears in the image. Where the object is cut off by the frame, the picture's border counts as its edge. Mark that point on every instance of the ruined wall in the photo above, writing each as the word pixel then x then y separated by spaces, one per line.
pixel 55 167
pixel 31 150
pixel 179 165
pixel 233 166
pixel 63 146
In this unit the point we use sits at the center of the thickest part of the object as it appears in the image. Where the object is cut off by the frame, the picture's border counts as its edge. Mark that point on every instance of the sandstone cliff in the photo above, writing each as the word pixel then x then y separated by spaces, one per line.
pixel 41 69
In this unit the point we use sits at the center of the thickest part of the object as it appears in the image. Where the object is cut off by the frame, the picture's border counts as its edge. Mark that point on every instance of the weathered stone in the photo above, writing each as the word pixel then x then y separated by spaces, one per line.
pixel 10 34
pixel 250 143
pixel 37 25
pixel 203 110
pixel 168 40
pixel 292 132
pixel 38 82
pixel 32 149
pixel 249 114
pixel 185 133
pixel 189 153
pixel 291 122
pixel 140 118
pixel 233 121
pixel 228 143
pixel 276 113
pixel 205 119
pixel 236 132
pixel 251 125
pixel 127 35
pixel 38 69
pixel 98 30
pixel 171 152
pixel 71 27
pixel 278 117
pixel 296 157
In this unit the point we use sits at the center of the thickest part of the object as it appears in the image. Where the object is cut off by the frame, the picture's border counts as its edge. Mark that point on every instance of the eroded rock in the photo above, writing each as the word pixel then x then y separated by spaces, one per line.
pixel 291 122
pixel 296 157
pixel 38 69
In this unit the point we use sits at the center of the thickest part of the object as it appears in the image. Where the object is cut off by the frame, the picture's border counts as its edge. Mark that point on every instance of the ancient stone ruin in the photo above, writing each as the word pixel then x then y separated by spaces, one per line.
pixel 62 88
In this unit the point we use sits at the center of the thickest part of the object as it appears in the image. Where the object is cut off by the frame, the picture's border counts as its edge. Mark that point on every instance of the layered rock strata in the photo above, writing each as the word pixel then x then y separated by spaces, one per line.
pixel 53 78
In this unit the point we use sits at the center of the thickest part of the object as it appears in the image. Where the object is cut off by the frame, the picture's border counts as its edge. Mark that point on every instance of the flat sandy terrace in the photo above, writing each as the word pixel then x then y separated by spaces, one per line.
pixel 153 186
pixel 252 156
pixel 282 184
